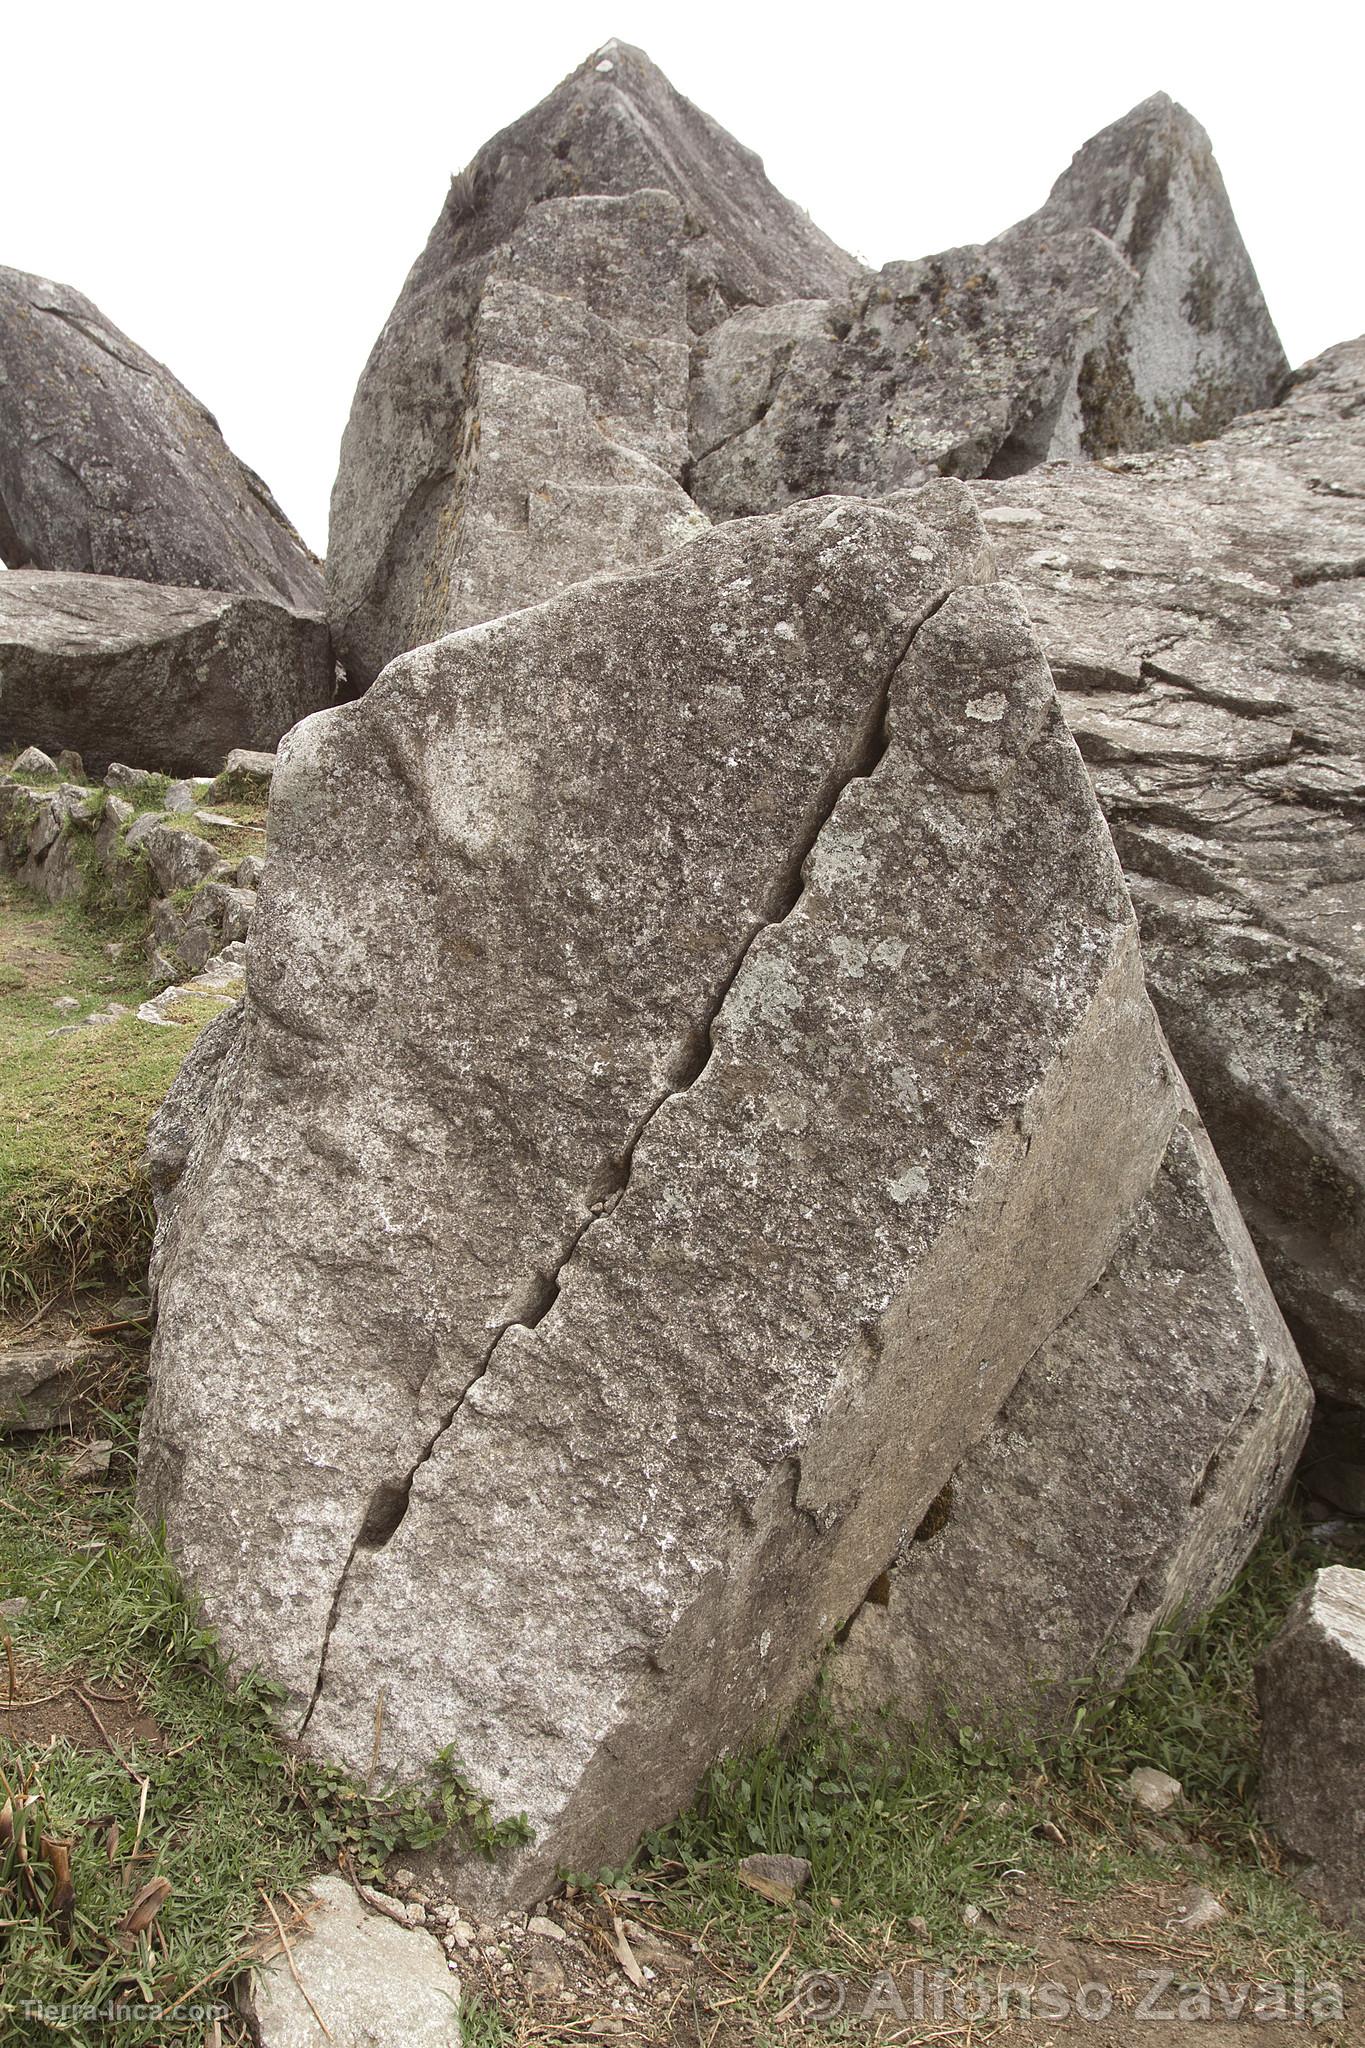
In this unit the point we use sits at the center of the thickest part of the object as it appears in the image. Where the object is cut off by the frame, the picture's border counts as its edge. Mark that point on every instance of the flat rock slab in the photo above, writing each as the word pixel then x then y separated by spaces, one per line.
pixel 1311 1684
pixel 1202 614
pixel 522 420
pixel 695 1051
pixel 358 1980
pixel 109 466
pixel 1123 314
pixel 1126 1479
pixel 159 678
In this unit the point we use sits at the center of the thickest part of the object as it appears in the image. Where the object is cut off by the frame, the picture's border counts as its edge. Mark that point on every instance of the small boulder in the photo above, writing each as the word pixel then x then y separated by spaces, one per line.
pixel 33 761
pixel 1156 1792
pixel 358 1980
pixel 41 1381
pixel 1311 1685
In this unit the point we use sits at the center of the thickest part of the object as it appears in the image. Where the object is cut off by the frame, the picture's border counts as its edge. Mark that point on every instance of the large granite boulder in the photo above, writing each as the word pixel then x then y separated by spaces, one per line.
pixel 521 421
pixel 695 1050
pixel 1124 314
pixel 1311 1683
pixel 153 676
pixel 1124 1481
pixel 108 464
pixel 1201 611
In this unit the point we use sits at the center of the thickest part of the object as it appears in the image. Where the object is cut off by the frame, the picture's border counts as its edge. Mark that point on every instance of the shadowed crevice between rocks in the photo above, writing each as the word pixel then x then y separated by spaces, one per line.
pixel 389 1502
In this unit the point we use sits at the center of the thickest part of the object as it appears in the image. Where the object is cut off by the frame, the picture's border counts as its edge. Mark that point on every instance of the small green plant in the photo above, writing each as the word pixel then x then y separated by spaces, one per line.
pixel 353 1825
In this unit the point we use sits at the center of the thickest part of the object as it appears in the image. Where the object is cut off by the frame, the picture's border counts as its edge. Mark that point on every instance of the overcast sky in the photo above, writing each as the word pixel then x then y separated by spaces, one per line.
pixel 243 189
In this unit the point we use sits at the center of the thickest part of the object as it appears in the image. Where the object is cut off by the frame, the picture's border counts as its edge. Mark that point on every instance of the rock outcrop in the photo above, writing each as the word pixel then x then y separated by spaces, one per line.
pixel 108 465
pixel 161 678
pixel 1311 1683
pixel 1124 314
pixel 521 422
pixel 1126 1478
pixel 1202 614
pixel 695 1051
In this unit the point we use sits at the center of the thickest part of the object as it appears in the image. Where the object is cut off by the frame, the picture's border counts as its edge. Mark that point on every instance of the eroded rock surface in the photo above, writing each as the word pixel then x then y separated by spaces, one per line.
pixel 161 678
pixel 108 465
pixel 521 422
pixel 1311 1683
pixel 1127 1477
pixel 695 1050
pixel 1123 314
pixel 1202 613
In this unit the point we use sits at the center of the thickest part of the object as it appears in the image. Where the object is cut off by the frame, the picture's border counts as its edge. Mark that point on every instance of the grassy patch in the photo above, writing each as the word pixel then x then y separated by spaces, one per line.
pixel 203 1795
pixel 944 1847
pixel 74 1104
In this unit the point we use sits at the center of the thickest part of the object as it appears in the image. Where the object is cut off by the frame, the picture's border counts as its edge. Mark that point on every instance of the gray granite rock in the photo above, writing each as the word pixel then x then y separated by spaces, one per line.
pixel 1201 610
pixel 695 1050
pixel 522 420
pixel 1124 314
pixel 358 1980
pixel 1125 1480
pixel 164 679
pixel 1311 1683
pixel 108 465
pixel 41 1380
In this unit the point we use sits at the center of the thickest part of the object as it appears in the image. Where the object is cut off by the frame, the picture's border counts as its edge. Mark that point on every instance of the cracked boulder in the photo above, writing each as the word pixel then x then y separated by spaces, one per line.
pixel 1311 1687
pixel 1123 314
pixel 1124 1482
pixel 164 679
pixel 522 420
pixel 108 465
pixel 1202 614
pixel 695 1050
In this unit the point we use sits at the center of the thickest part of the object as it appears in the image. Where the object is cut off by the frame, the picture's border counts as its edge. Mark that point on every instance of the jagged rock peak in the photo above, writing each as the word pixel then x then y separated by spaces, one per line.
pixel 1124 314
pixel 616 125
pixel 109 465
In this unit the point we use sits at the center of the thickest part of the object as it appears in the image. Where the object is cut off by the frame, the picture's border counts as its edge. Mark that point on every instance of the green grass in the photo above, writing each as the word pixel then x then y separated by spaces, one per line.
pixel 229 1810
pixel 74 1108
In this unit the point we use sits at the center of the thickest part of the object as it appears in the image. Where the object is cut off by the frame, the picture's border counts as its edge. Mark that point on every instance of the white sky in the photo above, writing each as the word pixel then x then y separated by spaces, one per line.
pixel 242 188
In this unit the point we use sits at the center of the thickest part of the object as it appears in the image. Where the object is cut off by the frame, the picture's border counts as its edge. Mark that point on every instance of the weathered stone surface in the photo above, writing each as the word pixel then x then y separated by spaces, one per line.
pixel 522 421
pixel 1126 1478
pixel 695 1050
pixel 164 679
pixel 108 465
pixel 359 1980
pixel 1311 1683
pixel 41 1381
pixel 1201 611
pixel 1123 314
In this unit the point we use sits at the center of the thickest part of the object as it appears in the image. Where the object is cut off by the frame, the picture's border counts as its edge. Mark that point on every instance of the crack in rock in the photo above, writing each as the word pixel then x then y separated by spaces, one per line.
pixel 389 1504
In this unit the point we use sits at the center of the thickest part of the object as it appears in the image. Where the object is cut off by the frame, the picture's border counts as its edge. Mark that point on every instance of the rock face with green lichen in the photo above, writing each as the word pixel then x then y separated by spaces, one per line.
pixel 521 421
pixel 108 465
pixel 1124 314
